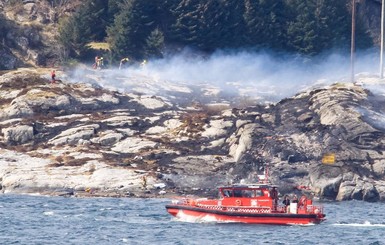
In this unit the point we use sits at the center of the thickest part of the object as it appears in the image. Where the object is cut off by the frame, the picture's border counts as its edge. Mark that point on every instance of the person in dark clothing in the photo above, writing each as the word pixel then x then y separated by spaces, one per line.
pixel 286 201
pixel 295 199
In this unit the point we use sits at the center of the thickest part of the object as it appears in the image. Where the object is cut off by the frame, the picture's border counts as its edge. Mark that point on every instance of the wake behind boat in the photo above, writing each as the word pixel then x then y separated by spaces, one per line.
pixel 248 203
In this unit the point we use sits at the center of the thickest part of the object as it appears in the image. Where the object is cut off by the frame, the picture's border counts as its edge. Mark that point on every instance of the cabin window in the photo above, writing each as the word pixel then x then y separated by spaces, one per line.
pixel 227 193
pixel 258 193
pixel 248 193
pixel 238 193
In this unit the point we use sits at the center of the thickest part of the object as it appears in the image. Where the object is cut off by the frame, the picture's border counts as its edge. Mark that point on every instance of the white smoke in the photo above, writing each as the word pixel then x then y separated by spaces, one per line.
pixel 253 74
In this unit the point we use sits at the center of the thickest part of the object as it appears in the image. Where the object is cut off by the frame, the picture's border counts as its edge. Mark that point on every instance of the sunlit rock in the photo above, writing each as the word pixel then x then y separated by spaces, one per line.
pixel 18 134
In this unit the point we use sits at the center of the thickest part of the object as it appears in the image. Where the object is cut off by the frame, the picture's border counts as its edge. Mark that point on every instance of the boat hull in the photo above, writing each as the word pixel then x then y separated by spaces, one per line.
pixel 244 217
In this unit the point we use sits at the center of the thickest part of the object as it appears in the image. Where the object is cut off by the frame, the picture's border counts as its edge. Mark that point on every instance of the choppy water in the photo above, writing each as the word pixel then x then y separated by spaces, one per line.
pixel 58 220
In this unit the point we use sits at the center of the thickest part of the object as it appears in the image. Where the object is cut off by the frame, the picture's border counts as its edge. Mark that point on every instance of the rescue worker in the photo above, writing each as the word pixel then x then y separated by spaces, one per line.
pixel 53 76
pixel 286 202
pixel 100 63
pixel 143 64
pixel 123 62
pixel 95 65
pixel 295 199
pixel 274 196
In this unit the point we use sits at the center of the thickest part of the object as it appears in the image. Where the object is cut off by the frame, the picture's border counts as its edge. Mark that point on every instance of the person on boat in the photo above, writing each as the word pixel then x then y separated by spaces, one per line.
pixel 274 196
pixel 286 201
pixel 295 199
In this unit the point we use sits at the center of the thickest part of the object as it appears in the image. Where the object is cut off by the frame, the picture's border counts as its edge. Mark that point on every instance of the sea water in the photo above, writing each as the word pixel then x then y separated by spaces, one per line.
pixel 28 219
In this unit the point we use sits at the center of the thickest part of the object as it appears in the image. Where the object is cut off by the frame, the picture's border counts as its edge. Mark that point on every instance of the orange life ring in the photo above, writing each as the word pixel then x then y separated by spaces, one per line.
pixel 238 202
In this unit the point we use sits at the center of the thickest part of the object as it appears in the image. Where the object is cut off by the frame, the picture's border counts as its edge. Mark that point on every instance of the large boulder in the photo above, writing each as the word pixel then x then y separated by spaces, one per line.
pixel 18 134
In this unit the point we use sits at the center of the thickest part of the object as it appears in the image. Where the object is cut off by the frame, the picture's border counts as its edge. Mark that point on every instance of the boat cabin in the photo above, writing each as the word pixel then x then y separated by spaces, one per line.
pixel 249 195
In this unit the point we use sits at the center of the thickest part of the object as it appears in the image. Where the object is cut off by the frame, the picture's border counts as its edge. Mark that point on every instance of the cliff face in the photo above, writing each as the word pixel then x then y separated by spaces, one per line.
pixel 31 30
pixel 77 138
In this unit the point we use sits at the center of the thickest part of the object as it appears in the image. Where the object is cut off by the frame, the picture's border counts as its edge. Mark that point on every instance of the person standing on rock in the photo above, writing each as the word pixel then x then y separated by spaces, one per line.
pixel 123 62
pixel 53 76
pixel 100 63
pixel 143 64
pixel 95 65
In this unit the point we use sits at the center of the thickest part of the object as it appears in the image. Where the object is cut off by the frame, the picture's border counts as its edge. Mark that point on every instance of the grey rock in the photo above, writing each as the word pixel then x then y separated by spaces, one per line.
pixel 18 134
pixel 7 60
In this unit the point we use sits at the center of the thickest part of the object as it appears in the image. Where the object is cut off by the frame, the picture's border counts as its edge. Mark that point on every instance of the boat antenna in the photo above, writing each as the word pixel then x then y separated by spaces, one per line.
pixel 266 180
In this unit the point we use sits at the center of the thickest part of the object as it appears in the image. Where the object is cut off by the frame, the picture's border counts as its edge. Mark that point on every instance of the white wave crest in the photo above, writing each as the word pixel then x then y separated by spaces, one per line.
pixel 365 224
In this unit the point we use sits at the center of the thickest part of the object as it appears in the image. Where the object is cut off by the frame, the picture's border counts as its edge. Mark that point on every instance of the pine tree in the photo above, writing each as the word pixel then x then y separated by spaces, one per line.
pixel 233 27
pixel 155 44
pixel 187 24
pixel 118 34
pixel 74 35
pixel 210 31
pixel 266 23
pixel 363 37
pixel 302 29
pixel 333 15
pixel 132 26
pixel 114 7
pixel 87 24
pixel 253 19
pixel 97 10
pixel 166 15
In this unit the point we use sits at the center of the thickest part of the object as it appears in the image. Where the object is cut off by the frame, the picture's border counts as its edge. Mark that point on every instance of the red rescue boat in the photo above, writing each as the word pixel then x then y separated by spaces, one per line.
pixel 248 203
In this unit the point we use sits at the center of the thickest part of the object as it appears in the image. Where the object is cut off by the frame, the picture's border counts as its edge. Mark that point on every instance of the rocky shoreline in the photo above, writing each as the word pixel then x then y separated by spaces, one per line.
pixel 76 138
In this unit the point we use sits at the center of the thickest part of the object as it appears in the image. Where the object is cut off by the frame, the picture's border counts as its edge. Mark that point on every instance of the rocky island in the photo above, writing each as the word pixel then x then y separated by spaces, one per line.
pixel 78 138
pixel 122 134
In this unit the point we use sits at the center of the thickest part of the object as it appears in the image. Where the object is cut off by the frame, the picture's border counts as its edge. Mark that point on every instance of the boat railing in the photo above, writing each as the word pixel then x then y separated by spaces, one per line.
pixel 251 209
pixel 316 209
pixel 181 200
pixel 313 209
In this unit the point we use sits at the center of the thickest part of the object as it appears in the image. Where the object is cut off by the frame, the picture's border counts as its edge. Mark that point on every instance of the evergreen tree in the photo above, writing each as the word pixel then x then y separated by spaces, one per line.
pixel 266 23
pixel 118 34
pixel 253 18
pixel 210 31
pixel 363 37
pixel 187 24
pixel 114 7
pixel 233 27
pixel 97 10
pixel 74 35
pixel 166 15
pixel 87 24
pixel 132 26
pixel 155 44
pixel 333 24
pixel 301 31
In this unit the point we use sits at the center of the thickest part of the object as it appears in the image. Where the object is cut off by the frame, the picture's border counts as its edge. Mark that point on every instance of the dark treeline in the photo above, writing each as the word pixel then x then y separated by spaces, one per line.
pixel 147 28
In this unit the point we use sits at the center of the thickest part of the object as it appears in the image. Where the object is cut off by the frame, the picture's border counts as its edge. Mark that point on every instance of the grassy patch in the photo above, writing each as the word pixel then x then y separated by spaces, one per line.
pixel 98 46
